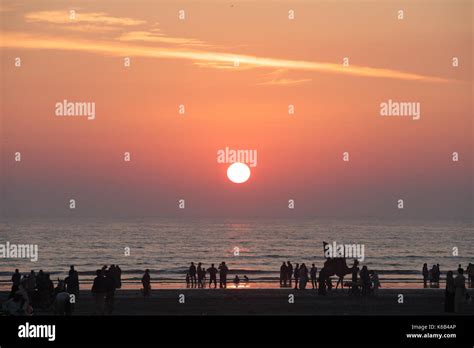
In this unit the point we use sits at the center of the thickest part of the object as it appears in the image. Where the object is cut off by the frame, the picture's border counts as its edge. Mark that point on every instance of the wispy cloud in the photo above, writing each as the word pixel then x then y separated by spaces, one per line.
pixel 277 78
pixel 158 37
pixel 25 41
pixel 91 18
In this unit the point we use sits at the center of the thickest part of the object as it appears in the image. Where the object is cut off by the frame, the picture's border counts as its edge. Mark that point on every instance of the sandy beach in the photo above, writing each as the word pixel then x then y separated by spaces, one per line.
pixel 268 301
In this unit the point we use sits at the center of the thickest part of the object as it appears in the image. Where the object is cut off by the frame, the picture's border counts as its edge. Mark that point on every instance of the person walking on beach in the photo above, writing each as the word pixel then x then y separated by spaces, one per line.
pixel 449 293
pixel 303 274
pixel 146 282
pixel 296 274
pixel 192 274
pixel 212 275
pixel 312 273
pixel 425 273
pixel 283 274
pixel 290 273
pixel 223 270
pixel 99 290
pixel 459 291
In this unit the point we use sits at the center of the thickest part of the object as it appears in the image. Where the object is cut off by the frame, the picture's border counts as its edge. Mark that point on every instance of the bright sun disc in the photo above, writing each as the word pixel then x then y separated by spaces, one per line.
pixel 238 172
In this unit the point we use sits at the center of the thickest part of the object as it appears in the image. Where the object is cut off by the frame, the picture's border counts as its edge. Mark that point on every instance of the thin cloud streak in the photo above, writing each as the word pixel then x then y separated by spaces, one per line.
pixel 23 41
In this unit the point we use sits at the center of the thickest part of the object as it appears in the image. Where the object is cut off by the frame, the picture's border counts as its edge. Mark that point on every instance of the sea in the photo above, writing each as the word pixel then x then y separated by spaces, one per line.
pixel 253 247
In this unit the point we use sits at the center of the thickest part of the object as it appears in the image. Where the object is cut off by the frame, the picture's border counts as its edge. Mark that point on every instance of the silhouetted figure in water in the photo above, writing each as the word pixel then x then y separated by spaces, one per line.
pixel 212 276
pixel 192 274
pixel 289 268
pixel 426 274
pixel 146 282
pixel 236 280
pixel 283 274
pixel 246 279
pixel 99 290
pixel 16 279
pixel 312 273
pixel 449 293
pixel 223 270
pixel 296 274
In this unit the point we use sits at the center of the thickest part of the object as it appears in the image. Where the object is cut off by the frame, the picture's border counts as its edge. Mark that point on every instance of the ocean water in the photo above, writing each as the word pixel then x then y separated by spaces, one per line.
pixel 397 250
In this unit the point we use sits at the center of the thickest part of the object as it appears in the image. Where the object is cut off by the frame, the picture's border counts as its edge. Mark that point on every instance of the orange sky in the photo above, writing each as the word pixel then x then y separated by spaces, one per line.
pixel 281 62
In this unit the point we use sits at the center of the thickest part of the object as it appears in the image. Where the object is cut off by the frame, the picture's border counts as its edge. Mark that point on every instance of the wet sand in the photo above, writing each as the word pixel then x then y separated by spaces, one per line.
pixel 268 302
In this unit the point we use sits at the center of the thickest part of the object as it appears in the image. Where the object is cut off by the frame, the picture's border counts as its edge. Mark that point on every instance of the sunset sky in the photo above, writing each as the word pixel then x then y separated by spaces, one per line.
pixel 193 62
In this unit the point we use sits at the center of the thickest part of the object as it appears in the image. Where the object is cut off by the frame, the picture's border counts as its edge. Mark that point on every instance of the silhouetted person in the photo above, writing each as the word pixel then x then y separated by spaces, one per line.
pixel 188 280
pixel 199 274
pixel 437 274
pixel 374 279
pixel 31 285
pixel 212 275
pixel 110 291
pixel 449 293
pixel 236 280
pixel 470 274
pixel 118 277
pixel 296 274
pixel 459 291
pixel 72 282
pixel 246 279
pixel 283 274
pixel 16 278
pixel 303 276
pixel 99 289
pixel 312 273
pixel 192 273
pixel 146 282
pixel 425 273
pixel 289 267
pixel 354 284
pixel 365 278
pixel 223 270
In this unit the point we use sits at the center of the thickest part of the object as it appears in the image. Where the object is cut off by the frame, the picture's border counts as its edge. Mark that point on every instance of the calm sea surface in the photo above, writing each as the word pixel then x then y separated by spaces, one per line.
pixel 167 246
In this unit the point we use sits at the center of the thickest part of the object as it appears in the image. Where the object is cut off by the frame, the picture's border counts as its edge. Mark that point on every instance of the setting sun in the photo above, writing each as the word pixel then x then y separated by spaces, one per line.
pixel 238 172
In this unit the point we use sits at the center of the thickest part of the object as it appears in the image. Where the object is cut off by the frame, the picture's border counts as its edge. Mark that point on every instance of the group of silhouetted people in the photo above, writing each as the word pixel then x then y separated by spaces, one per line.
pixel 300 274
pixel 196 276
pixel 456 295
pixel 36 290
pixel 105 283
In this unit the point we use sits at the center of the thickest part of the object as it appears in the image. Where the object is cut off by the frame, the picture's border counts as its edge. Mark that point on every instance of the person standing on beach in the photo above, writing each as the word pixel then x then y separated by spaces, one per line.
pixel 199 275
pixel 109 291
pixel 72 282
pixel 192 274
pixel 438 274
pixel 303 274
pixel 146 282
pixel 312 273
pixel 365 278
pixel 374 279
pixel 223 270
pixel 449 293
pixel 425 273
pixel 470 275
pixel 16 279
pixel 98 291
pixel 290 273
pixel 459 291
pixel 212 275
pixel 283 274
pixel 296 274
